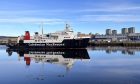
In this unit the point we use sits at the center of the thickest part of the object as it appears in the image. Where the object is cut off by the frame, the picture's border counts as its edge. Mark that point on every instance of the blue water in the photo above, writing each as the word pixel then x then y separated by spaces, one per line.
pixel 105 66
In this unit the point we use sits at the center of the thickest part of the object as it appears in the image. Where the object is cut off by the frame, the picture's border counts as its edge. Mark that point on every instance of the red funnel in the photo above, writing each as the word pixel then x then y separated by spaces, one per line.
pixel 27 35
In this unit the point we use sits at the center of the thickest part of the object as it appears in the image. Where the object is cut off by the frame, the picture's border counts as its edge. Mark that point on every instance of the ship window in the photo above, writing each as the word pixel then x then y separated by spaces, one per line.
pixel 66 37
pixel 47 35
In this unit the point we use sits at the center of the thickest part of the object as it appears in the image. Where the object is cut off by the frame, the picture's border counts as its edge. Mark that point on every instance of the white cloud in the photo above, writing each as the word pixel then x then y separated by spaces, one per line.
pixel 112 6
pixel 111 18
pixel 117 13
pixel 112 9
pixel 19 13
pixel 83 18
pixel 32 20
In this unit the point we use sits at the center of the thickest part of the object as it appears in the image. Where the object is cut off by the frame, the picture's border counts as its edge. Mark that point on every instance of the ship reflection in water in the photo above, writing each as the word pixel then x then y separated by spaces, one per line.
pixel 62 57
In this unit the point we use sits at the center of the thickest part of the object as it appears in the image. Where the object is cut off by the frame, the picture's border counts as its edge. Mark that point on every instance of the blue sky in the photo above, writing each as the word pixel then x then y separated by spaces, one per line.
pixel 17 16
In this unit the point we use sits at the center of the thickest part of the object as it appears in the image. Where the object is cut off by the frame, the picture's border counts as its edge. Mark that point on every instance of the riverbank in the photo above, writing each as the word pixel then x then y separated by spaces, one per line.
pixel 5 40
pixel 135 44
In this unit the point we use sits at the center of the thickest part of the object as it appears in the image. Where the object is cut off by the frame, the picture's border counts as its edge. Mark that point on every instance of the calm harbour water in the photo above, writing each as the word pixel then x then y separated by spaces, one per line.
pixel 96 65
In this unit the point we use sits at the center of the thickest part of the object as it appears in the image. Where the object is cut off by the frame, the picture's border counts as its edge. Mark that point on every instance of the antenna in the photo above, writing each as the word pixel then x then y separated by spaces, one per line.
pixel 67 25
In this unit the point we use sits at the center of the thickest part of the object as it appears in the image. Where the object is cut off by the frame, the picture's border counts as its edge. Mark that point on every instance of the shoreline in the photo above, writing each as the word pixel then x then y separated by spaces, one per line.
pixel 124 44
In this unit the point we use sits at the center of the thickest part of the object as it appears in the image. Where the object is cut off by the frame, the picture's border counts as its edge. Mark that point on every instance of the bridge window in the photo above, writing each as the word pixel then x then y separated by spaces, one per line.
pixel 48 35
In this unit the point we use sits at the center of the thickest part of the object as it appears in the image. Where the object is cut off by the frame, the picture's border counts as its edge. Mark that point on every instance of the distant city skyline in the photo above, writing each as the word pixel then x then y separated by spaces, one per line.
pixel 17 16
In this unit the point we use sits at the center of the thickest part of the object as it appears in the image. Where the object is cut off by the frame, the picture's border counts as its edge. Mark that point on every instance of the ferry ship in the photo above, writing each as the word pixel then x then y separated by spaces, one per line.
pixel 61 39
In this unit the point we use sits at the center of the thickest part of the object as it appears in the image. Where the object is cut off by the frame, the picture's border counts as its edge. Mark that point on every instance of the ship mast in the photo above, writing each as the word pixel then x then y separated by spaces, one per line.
pixel 42 28
pixel 67 26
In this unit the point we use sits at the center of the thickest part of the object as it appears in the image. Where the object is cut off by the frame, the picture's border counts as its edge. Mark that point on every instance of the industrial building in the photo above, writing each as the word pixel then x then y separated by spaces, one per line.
pixel 109 38
pixel 134 36
pixel 118 37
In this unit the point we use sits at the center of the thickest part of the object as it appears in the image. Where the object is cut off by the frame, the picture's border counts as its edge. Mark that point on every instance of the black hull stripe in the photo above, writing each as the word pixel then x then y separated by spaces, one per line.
pixel 72 43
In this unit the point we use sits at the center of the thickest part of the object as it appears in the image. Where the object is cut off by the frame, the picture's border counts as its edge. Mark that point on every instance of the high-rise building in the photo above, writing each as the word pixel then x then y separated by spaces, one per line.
pixel 124 30
pixel 114 32
pixel 108 32
pixel 131 30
